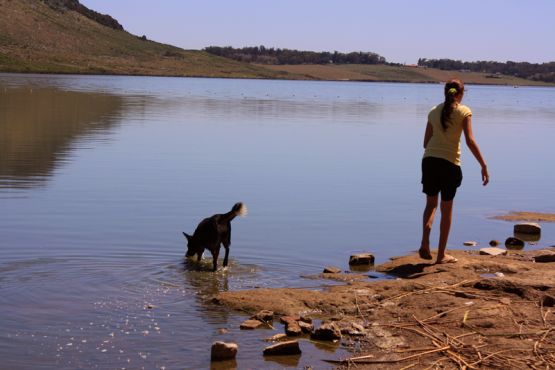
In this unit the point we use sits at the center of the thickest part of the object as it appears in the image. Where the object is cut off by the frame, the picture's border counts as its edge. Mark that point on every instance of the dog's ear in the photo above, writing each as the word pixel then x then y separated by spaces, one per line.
pixel 187 236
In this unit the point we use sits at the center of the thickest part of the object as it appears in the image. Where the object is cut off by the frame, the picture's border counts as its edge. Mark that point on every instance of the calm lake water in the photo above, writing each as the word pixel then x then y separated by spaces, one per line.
pixel 100 175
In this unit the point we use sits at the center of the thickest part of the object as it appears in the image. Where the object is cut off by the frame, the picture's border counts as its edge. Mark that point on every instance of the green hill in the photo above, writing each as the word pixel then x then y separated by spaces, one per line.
pixel 63 36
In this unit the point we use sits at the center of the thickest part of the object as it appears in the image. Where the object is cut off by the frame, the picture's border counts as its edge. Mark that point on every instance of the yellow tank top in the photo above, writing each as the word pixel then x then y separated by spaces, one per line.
pixel 446 144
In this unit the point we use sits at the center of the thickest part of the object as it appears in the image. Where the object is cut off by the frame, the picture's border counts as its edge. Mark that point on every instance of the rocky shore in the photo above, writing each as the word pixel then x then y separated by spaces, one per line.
pixel 485 311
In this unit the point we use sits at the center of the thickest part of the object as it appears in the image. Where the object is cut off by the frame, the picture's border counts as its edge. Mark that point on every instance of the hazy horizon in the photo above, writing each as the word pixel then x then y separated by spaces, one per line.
pixel 402 32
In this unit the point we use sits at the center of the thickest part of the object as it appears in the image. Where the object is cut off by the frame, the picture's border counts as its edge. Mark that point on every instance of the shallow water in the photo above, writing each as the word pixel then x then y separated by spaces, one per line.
pixel 99 176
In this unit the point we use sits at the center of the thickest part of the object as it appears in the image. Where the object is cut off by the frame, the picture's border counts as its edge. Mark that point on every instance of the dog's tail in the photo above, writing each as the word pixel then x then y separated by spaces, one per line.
pixel 239 209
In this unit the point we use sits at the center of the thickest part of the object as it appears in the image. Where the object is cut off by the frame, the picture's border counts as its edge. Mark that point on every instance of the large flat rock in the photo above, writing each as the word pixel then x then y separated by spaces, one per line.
pixel 493 251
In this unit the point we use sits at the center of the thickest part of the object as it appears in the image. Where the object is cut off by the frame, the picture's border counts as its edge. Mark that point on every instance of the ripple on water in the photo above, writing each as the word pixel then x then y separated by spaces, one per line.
pixel 121 312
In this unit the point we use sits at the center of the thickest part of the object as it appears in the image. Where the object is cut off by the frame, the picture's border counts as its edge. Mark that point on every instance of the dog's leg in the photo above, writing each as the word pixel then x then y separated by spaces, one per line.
pixel 215 252
pixel 226 246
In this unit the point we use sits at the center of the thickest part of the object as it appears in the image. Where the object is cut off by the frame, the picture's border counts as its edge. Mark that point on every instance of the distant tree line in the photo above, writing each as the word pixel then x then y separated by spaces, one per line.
pixel 532 71
pixel 263 55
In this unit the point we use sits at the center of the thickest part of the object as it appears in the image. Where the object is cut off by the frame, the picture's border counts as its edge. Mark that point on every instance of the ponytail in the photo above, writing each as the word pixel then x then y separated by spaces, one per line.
pixel 452 89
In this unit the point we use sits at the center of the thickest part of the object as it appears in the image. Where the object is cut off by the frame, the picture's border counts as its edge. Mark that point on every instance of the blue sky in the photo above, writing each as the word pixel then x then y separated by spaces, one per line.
pixel 400 30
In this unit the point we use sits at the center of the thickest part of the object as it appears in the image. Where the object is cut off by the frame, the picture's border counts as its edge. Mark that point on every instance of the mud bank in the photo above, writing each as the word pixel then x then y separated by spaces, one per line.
pixel 481 312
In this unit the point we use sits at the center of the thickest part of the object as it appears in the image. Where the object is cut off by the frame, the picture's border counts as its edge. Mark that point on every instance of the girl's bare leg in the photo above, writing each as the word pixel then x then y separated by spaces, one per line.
pixel 427 222
pixel 445 227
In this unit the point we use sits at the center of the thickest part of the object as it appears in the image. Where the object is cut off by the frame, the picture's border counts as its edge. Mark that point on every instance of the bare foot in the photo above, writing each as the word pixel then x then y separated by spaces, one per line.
pixel 447 259
pixel 424 253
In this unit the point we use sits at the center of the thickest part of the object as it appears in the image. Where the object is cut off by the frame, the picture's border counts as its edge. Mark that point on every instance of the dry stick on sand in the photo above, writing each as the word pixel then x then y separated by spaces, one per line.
pixel 438 343
pixel 409 366
pixel 538 342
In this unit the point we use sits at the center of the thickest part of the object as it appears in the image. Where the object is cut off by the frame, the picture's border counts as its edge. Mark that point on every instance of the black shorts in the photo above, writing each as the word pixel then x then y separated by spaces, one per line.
pixel 440 175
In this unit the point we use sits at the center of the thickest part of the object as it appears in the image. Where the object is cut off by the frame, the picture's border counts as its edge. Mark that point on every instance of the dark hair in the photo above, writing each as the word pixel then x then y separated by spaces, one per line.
pixel 452 88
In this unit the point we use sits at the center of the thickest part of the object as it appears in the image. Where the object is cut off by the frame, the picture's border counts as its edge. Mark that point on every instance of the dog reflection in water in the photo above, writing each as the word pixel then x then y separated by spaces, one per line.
pixel 212 232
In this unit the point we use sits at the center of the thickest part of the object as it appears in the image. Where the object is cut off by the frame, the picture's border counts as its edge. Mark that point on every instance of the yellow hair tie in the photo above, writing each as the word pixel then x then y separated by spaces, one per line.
pixel 452 91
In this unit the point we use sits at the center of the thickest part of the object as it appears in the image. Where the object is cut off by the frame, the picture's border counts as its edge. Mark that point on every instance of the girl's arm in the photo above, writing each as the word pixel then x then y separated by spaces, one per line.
pixel 428 134
pixel 473 146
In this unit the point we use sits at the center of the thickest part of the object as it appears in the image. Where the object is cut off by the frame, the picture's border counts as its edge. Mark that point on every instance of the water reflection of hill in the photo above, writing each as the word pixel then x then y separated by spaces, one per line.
pixel 39 127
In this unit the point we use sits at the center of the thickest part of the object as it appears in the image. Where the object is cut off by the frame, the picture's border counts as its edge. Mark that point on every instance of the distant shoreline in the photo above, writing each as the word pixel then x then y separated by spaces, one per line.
pixel 471 80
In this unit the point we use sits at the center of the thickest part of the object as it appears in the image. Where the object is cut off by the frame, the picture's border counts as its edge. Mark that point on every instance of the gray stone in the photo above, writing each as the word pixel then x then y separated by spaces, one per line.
pixel 527 228
pixel 327 331
pixel 361 259
pixel 223 351
pixel 332 270
pixel 250 324
pixel 514 243
pixel 493 251
pixel 283 349
pixel 545 256
pixel 494 243
pixel 264 316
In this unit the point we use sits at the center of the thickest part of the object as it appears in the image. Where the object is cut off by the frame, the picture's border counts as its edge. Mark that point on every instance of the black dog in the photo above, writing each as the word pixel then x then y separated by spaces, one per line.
pixel 213 231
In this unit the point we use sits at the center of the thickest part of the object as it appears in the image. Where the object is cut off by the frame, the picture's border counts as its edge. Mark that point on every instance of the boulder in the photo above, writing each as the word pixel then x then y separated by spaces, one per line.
pixel 527 228
pixel 327 331
pixel 545 256
pixel 332 270
pixel 514 243
pixel 250 324
pixel 361 259
pixel 493 251
pixel 283 349
pixel 223 351
pixel 264 316
pixel 494 243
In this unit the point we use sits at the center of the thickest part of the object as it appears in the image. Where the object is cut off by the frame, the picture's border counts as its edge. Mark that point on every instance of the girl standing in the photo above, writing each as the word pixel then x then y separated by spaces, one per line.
pixel 441 171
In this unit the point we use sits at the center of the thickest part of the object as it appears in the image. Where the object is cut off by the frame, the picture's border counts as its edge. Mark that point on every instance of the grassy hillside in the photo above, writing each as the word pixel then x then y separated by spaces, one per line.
pixel 379 72
pixel 35 37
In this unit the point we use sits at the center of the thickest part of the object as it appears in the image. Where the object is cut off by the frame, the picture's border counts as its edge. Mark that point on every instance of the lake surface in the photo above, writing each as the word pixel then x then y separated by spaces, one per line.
pixel 100 175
